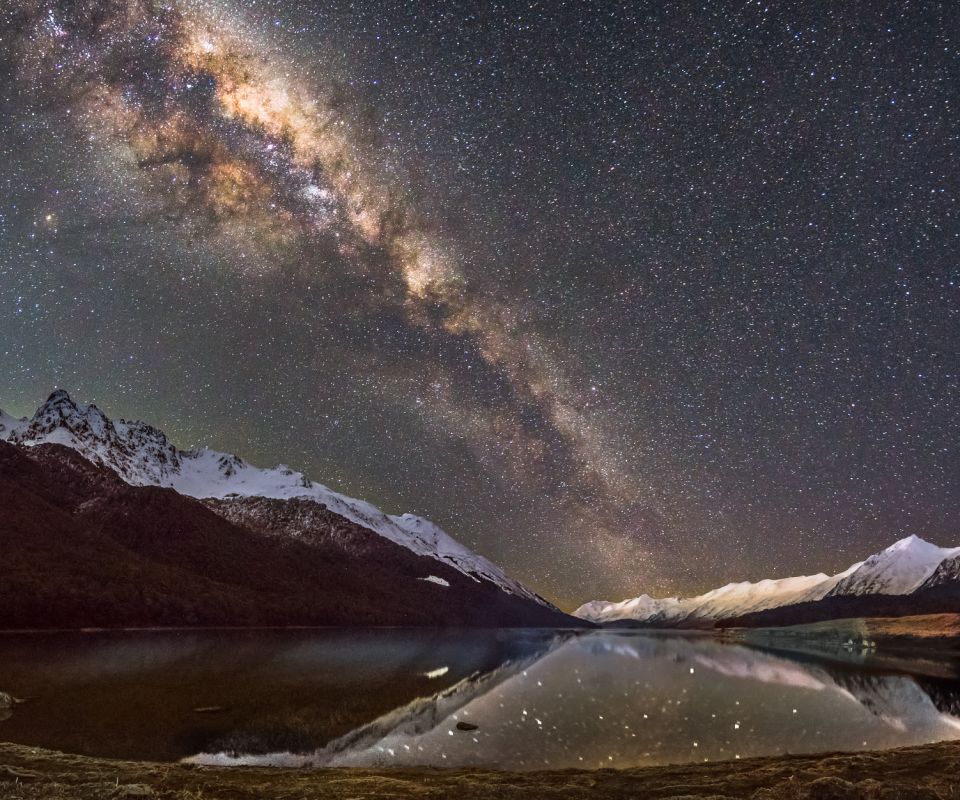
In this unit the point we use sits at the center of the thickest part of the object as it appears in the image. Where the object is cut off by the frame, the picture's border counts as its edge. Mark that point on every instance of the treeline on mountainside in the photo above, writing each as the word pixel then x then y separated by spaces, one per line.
pixel 82 548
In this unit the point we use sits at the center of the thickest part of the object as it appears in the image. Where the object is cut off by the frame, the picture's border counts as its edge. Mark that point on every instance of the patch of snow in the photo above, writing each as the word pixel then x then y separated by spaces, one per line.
pixel 434 579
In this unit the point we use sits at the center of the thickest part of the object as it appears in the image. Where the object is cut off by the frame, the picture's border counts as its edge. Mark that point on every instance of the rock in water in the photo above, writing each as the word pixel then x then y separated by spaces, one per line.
pixel 466 726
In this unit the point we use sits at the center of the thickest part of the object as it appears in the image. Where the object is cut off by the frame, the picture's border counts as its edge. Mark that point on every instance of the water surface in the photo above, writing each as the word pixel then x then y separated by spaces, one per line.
pixel 539 699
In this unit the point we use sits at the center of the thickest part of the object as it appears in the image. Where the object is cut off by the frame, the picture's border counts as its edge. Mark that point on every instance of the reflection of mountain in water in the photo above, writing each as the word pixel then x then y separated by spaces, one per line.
pixel 892 697
pixel 896 699
pixel 945 694
pixel 846 648
pixel 418 717
pixel 134 695
pixel 628 699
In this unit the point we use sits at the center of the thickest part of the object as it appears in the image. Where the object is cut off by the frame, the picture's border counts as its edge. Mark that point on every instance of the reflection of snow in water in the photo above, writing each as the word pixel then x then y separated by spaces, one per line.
pixel 765 670
pixel 412 720
pixel 437 673
pixel 628 699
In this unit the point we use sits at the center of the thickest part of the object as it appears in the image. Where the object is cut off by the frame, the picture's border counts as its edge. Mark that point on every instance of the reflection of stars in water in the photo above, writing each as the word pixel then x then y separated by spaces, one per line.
pixel 617 700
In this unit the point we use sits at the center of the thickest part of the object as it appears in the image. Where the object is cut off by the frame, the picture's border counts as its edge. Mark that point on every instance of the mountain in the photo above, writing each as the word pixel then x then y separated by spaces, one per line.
pixel 83 548
pixel 703 610
pixel 88 545
pixel 911 576
pixel 900 569
pixel 645 608
pixel 143 456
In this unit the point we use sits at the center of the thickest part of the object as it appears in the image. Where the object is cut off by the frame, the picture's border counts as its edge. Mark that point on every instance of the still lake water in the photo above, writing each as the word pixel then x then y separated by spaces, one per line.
pixel 539 699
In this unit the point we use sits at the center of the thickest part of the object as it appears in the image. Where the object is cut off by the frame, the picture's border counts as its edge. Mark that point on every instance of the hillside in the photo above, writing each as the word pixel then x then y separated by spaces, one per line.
pixel 83 548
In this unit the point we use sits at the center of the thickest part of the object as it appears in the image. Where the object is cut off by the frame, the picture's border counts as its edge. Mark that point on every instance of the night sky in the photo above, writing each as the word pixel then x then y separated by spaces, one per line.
pixel 627 297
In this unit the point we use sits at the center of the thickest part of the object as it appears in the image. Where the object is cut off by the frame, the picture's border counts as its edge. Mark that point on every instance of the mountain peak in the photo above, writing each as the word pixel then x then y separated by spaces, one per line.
pixel 138 453
pixel 899 569
pixel 59 396
pixel 912 542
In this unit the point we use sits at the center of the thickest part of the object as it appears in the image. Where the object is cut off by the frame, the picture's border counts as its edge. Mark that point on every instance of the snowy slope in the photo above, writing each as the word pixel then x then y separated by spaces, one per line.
pixel 735 599
pixel 143 456
pixel 947 572
pixel 644 607
pixel 9 424
pixel 900 569
pixel 727 601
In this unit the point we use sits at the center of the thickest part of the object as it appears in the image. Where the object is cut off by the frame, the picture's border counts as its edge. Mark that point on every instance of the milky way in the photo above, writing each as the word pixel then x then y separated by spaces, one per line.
pixel 628 300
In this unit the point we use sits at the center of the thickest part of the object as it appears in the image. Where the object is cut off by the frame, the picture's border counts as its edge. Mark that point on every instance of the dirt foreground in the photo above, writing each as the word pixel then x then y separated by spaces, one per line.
pixel 930 772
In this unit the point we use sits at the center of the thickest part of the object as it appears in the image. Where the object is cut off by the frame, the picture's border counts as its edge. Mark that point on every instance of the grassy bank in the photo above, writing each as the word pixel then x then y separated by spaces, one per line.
pixel 930 772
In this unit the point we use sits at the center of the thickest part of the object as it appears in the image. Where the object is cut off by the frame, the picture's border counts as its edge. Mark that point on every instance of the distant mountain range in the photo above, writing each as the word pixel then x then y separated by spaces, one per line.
pixel 107 523
pixel 909 577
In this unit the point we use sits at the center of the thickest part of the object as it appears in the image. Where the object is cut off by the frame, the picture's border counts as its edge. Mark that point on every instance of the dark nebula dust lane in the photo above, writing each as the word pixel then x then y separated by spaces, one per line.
pixel 629 299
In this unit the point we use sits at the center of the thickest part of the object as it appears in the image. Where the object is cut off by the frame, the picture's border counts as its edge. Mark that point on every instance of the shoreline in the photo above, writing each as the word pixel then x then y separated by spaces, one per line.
pixel 925 772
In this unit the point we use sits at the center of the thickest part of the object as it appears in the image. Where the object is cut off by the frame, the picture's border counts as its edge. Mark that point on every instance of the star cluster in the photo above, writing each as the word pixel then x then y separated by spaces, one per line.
pixel 628 297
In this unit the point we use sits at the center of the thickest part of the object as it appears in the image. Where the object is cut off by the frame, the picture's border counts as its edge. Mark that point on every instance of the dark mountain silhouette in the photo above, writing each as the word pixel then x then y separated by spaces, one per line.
pixel 82 548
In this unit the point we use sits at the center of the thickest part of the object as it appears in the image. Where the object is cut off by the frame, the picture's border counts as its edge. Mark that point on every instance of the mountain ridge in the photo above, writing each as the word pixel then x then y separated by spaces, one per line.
pixel 907 567
pixel 83 548
pixel 143 455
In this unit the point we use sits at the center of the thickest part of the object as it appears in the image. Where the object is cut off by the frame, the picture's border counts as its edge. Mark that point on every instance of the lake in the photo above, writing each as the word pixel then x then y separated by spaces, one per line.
pixel 528 699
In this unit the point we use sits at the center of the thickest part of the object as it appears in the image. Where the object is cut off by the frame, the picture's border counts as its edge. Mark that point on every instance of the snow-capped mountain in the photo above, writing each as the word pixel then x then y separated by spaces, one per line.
pixel 143 456
pixel 643 607
pixel 727 601
pixel 745 598
pixel 899 570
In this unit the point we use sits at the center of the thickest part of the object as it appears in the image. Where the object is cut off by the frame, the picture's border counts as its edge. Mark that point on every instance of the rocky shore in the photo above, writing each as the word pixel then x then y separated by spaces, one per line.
pixel 930 772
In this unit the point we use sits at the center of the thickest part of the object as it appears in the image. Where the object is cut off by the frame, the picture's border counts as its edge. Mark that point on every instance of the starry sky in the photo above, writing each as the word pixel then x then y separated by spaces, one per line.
pixel 643 297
